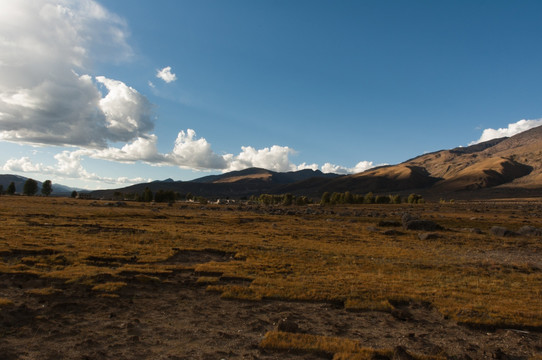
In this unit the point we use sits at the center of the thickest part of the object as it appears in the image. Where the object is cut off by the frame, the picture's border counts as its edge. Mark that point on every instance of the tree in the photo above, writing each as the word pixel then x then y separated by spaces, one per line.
pixel 147 195
pixel 326 197
pixel 74 194
pixel 335 198
pixel 30 187
pixel 395 199
pixel 11 188
pixel 47 188
pixel 381 199
pixel 287 199
pixel 415 199
pixel 1 189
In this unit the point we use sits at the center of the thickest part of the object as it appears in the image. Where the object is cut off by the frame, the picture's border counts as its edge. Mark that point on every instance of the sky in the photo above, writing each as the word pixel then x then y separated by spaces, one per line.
pixel 104 94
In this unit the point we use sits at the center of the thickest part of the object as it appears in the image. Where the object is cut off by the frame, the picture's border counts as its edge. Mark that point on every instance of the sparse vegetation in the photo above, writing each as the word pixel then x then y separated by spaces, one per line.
pixel 319 255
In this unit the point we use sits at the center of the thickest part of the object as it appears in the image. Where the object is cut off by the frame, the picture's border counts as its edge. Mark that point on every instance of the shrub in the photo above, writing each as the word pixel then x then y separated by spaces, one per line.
pixel 381 199
pixel 326 198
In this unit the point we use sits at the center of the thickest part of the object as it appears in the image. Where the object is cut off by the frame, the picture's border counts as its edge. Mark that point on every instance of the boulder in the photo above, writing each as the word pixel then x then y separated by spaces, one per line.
pixel 502 231
pixel 424 225
pixel 428 236
pixel 530 231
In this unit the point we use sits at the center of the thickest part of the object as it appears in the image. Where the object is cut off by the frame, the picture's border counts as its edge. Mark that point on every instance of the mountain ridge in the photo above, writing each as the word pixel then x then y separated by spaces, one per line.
pixel 508 166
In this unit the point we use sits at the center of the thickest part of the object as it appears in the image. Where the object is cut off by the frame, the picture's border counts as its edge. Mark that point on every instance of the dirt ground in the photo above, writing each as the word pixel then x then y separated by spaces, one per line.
pixel 178 319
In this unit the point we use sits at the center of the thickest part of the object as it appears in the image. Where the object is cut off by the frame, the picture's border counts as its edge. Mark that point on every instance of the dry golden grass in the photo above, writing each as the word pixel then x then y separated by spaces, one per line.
pixel 5 302
pixel 473 278
pixel 109 286
pixel 340 348
pixel 43 291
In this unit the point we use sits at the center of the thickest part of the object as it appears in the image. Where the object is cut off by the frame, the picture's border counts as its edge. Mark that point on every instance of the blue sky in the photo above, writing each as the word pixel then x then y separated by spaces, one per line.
pixel 332 85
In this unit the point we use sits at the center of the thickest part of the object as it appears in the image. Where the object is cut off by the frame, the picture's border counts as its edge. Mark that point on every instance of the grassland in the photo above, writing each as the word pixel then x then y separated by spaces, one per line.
pixel 356 260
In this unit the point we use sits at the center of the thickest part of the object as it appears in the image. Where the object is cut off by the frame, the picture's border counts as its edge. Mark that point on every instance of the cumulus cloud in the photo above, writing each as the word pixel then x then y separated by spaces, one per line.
pixel 23 164
pixel 275 158
pixel 511 130
pixel 68 166
pixel 43 99
pixel 142 149
pixel 337 169
pixel 166 74
pixel 304 166
pixel 193 153
pixel 127 112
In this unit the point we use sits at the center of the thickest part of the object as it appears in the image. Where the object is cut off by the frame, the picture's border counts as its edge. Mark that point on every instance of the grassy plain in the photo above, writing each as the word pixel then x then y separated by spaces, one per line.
pixel 356 258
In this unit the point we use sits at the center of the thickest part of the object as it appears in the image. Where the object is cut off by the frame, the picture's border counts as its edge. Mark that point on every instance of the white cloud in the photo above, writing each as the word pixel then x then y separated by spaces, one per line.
pixel 68 166
pixel 275 158
pixel 166 74
pixel 511 130
pixel 337 169
pixel 304 166
pixel 142 149
pixel 127 112
pixel 43 45
pixel 23 164
pixel 193 153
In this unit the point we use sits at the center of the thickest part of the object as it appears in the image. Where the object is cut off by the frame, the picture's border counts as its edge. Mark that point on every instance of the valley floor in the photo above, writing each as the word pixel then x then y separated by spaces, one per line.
pixel 83 279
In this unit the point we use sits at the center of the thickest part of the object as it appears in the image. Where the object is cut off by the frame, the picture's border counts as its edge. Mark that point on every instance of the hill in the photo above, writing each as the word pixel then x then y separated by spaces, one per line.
pixel 505 167
pixel 235 184
pixel 58 189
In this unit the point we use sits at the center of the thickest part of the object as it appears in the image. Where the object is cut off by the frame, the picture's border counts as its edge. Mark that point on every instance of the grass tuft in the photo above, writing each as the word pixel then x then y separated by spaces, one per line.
pixel 109 286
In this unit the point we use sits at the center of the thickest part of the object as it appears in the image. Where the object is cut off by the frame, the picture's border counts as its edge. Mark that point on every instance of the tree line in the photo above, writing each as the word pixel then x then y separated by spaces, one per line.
pixel 284 199
pixel 369 198
pixel 30 188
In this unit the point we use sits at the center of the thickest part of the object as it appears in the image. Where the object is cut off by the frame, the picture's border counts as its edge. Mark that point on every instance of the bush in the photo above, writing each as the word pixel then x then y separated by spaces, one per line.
pixel 415 199
pixel 381 199
pixel 395 199
pixel 326 198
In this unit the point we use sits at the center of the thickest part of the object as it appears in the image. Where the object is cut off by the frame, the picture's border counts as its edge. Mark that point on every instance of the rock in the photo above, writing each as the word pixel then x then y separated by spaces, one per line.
pixel 401 314
pixel 425 225
pixel 388 223
pixel 287 326
pixel 406 217
pixel 400 353
pixel 373 229
pixel 530 231
pixel 472 230
pixel 502 231
pixel 428 236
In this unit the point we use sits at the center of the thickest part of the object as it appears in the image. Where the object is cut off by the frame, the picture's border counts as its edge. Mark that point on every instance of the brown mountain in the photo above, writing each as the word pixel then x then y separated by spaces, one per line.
pixel 502 165
pixel 499 167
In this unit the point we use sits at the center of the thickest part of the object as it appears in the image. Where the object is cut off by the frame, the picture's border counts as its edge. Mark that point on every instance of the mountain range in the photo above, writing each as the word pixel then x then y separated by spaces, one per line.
pixel 504 167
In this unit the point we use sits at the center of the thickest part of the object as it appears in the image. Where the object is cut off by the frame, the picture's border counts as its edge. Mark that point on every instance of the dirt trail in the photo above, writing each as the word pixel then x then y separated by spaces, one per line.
pixel 175 318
